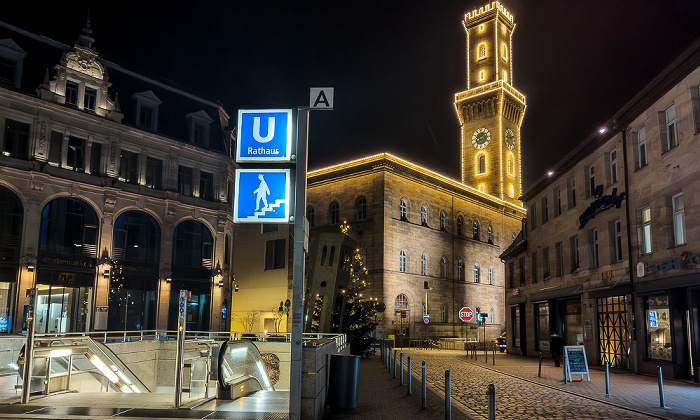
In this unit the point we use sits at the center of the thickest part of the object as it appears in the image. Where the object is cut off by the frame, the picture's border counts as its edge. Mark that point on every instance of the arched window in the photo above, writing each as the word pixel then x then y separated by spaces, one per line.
pixel 482 51
pixel 490 275
pixel 476 230
pixel 460 225
pixel 482 188
pixel 512 191
pixel 504 52
pixel 323 254
pixel 505 76
pixel 401 302
pixel 331 256
pixel 361 205
pixel 443 268
pixel 424 215
pixel 402 261
pixel 489 235
pixel 460 270
pixel 335 213
pixel 481 163
pixel 443 220
pixel 403 210
pixel 511 164
pixel 69 226
pixel 310 216
pixel 193 246
pixel 423 265
pixel 136 237
pixel 476 273
pixel 11 216
pixel 482 75
pixel 443 313
pixel 491 316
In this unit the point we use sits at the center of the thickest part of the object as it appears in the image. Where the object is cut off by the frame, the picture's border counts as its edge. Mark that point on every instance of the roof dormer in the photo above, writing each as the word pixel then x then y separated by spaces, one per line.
pixel 147 104
pixel 11 62
pixel 198 127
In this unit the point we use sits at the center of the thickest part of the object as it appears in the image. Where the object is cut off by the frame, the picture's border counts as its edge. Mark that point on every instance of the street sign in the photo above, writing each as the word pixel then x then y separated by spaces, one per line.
pixel 262 196
pixel 426 320
pixel 321 98
pixel 182 309
pixel 466 314
pixel 264 135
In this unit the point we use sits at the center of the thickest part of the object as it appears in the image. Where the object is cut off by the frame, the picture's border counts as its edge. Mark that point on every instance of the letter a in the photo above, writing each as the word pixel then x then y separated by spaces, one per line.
pixel 270 130
pixel 321 99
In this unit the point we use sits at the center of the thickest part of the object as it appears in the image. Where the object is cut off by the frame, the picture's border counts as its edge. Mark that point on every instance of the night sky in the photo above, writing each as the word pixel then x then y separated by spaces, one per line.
pixel 395 65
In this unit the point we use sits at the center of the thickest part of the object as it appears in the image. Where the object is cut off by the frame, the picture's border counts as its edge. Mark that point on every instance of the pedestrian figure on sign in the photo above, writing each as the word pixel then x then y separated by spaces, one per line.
pixel 556 345
pixel 262 191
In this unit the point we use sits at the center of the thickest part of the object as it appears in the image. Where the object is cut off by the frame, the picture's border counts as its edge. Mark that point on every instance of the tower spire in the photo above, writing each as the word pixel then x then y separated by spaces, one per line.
pixel 85 38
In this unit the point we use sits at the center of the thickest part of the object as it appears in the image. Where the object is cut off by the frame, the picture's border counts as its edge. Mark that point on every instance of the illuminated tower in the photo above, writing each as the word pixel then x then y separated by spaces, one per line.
pixel 490 111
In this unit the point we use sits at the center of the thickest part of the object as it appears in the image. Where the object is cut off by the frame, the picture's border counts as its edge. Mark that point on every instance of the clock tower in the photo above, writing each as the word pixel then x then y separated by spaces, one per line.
pixel 490 111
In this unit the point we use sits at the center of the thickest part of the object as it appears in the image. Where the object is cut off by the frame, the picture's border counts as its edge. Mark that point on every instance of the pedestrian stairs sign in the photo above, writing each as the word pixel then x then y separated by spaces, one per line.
pixel 262 196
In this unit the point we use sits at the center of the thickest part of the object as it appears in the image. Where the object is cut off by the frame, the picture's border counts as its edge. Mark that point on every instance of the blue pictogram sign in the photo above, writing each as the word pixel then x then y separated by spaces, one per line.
pixel 264 135
pixel 262 195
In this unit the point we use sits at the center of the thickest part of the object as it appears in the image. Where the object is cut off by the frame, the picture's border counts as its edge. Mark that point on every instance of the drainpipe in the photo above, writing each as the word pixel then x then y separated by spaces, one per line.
pixel 629 247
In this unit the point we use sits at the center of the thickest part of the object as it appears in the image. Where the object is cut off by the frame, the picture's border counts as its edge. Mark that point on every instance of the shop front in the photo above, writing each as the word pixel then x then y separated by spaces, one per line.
pixel 669 329
pixel 198 301
pixel 64 299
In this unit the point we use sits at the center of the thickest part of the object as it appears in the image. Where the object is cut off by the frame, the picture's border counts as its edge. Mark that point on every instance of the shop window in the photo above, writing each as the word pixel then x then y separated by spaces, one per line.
pixel 515 322
pixel 542 326
pixel 658 326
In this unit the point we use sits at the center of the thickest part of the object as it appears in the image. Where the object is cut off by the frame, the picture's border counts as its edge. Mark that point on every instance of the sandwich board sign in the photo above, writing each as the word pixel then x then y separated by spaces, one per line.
pixel 264 135
pixel 262 196
pixel 575 361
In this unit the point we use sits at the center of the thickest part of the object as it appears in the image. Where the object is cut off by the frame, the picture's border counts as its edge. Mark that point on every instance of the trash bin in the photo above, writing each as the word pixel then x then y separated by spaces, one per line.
pixel 344 383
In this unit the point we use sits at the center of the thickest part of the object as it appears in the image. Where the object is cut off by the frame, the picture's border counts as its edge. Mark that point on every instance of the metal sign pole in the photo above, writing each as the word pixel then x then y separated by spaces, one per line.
pixel 301 134
pixel 182 312
pixel 29 349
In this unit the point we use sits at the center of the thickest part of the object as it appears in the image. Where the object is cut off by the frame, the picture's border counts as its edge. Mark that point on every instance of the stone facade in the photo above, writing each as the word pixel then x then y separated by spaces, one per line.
pixel 616 270
pixel 368 194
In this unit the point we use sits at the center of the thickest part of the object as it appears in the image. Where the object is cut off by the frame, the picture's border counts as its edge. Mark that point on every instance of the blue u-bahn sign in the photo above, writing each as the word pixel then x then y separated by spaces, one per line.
pixel 264 135
pixel 262 196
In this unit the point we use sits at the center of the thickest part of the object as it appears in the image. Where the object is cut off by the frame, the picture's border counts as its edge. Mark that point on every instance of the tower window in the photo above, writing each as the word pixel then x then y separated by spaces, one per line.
pixel 481 28
pixel 511 164
pixel 505 76
pixel 482 75
pixel 481 51
pixel 481 163
pixel 512 191
pixel 504 52
pixel 481 188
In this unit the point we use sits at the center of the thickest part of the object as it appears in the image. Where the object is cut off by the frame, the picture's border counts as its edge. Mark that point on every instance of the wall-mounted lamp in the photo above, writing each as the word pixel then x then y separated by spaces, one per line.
pixel 168 279
pixel 105 274
pixel 30 268
pixel 235 288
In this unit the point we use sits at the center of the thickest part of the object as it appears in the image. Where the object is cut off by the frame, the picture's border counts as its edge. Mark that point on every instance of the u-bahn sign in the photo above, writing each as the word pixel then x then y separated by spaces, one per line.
pixel 264 135
pixel 262 196
pixel 466 314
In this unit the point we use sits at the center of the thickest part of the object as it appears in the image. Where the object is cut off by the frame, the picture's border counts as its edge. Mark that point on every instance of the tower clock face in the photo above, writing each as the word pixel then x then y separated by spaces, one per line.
pixel 481 138
pixel 510 139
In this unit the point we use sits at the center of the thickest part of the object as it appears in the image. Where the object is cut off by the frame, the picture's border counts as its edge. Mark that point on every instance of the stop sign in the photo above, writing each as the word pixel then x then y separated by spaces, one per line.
pixel 466 314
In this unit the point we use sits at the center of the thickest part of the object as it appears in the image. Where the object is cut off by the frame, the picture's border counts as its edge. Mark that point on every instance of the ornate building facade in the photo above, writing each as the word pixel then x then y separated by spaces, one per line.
pixel 115 190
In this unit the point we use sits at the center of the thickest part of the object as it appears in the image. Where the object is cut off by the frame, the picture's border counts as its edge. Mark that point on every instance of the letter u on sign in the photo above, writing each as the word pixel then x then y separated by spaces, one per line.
pixel 270 130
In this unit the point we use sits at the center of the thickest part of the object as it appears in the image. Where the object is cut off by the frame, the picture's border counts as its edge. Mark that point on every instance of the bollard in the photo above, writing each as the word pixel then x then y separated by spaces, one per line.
pixel 662 400
pixel 492 402
pixel 476 355
pixel 607 378
pixel 424 397
pixel 393 365
pixel 539 369
pixel 494 355
pixel 401 371
pixel 486 353
pixel 448 395
pixel 408 392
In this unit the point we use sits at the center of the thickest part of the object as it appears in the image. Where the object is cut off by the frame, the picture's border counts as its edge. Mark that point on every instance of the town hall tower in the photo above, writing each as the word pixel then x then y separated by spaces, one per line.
pixel 490 111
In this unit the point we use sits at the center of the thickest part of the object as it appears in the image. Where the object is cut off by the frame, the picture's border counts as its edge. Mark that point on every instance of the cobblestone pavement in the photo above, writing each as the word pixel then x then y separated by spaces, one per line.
pixel 520 394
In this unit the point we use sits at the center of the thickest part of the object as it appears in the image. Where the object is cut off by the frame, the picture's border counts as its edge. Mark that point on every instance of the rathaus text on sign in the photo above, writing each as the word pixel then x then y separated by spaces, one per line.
pixel 264 135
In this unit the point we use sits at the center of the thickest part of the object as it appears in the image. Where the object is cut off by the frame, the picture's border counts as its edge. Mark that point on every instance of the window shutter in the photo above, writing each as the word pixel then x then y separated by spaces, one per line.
pixel 695 99
pixel 662 131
